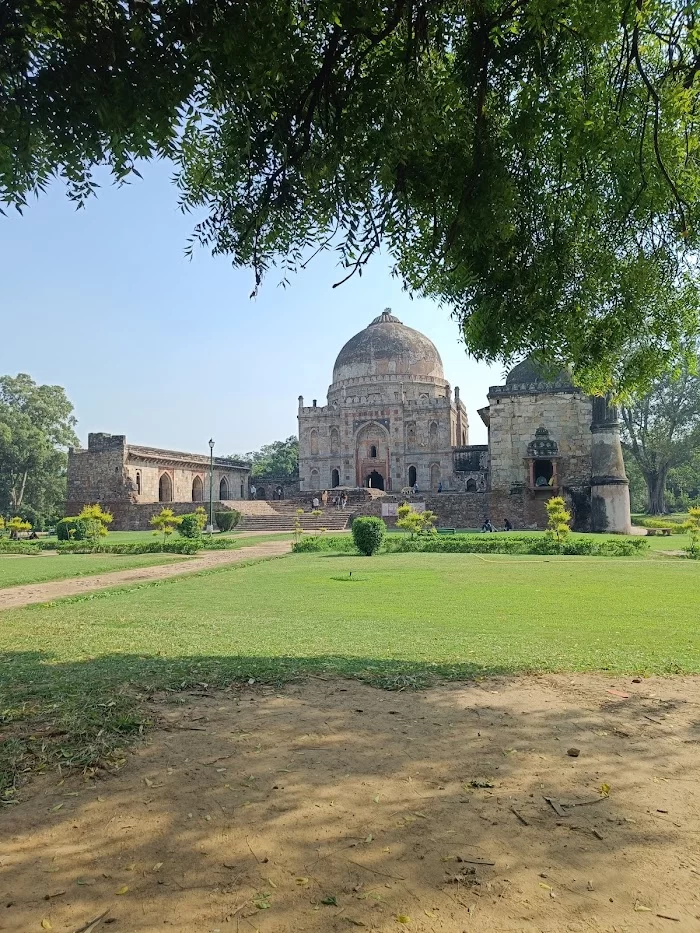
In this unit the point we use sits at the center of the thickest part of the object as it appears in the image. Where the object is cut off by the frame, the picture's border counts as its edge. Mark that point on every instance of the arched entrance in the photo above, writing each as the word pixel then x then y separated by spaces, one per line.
pixel 434 476
pixel 197 489
pixel 223 489
pixel 315 480
pixel 335 479
pixel 165 488
pixel 375 480
pixel 412 476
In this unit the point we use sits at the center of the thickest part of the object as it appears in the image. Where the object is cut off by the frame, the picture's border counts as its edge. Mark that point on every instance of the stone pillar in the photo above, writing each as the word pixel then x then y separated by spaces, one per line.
pixel 459 418
pixel 610 496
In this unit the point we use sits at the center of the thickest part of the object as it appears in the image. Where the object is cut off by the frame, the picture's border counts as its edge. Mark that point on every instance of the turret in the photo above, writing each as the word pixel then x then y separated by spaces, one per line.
pixel 610 497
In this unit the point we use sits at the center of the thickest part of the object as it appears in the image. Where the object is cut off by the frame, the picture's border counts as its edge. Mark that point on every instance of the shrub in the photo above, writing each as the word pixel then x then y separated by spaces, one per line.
pixel 7 546
pixel 79 529
pixel 166 521
pixel 227 520
pixel 315 543
pixel 621 547
pixel 190 526
pixel 94 513
pixel 368 534
pixel 178 546
pixel 692 526
pixel 416 523
pixel 677 527
pixel 558 525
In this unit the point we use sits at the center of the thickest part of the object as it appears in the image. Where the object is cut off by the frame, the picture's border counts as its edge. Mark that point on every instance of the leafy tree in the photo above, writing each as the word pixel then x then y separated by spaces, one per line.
pixel 414 522
pixel 662 431
pixel 165 523
pixel 558 528
pixel 693 528
pixel 281 458
pixel 533 165
pixel 16 524
pixel 36 427
pixel 97 514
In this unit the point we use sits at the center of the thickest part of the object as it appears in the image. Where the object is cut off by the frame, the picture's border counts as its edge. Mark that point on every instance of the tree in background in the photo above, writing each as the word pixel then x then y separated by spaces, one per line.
pixel 558 526
pixel 165 523
pixel 532 165
pixel 36 428
pixel 281 458
pixel 662 431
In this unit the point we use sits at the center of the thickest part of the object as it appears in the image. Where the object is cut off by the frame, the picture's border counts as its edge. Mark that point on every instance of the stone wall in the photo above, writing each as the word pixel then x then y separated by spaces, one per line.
pixel 98 474
pixel 468 510
pixel 514 419
pixel 132 516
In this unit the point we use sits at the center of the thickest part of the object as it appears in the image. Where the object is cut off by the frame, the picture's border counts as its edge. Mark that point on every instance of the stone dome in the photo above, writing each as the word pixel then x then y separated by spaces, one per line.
pixel 529 372
pixel 387 347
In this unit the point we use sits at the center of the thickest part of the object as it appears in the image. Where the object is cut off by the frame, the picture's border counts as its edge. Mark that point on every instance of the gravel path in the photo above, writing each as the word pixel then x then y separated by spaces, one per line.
pixel 15 596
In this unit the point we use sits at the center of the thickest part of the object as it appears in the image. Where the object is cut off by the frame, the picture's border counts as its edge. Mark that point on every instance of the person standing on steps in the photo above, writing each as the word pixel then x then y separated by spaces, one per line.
pixel 324 498
pixel 253 492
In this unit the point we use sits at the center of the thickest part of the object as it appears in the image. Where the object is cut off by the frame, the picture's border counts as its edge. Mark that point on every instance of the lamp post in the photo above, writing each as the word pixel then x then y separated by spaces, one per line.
pixel 210 529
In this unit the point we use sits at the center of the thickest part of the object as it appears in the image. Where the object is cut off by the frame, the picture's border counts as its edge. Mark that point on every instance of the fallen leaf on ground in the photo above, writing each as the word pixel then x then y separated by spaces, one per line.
pixel 402 918
pixel 302 882
pixel 330 900
pixel 157 866
pixel 46 924
pixel 640 908
pixel 547 887
pixel 605 790
pixel 124 888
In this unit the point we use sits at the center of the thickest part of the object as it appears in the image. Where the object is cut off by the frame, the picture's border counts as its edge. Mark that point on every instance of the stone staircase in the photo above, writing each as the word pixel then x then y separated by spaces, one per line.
pixel 261 515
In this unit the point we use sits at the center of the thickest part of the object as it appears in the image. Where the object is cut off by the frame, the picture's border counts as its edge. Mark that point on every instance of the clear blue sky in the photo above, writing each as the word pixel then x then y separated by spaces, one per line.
pixel 170 352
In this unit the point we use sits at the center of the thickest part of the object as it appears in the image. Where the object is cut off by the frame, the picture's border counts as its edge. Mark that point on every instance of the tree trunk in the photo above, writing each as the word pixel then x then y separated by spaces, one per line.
pixel 656 491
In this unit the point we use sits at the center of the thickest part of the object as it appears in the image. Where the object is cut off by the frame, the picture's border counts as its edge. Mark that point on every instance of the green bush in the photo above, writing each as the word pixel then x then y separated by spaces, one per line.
pixel 622 547
pixel 313 543
pixel 78 529
pixel 368 533
pixel 190 526
pixel 227 520
pixel 516 544
pixel 7 546
pixel 676 525
pixel 178 546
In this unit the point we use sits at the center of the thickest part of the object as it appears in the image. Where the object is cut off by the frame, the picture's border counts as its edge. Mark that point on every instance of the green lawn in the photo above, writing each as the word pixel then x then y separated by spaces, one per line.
pixel 241 538
pixel 402 619
pixel 17 570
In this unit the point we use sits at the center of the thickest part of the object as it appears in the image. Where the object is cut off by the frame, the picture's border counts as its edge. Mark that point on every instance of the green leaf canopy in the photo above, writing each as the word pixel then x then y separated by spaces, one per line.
pixel 531 164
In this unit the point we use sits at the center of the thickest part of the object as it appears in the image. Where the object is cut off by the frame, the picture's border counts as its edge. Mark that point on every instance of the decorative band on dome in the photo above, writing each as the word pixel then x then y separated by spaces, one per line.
pixel 386 317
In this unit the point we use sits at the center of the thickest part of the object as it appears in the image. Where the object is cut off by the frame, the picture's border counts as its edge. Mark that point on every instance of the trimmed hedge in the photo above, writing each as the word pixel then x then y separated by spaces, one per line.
pixel 227 520
pixel 314 543
pixel 675 524
pixel 7 546
pixel 178 546
pixel 368 533
pixel 481 544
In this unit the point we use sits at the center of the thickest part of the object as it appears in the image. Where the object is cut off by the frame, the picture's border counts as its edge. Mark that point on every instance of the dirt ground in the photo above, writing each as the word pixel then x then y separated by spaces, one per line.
pixel 331 805
pixel 13 597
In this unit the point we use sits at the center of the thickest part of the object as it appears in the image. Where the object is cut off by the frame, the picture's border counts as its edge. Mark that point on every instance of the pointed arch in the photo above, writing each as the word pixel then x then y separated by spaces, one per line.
pixel 224 492
pixel 335 441
pixel 315 480
pixel 335 478
pixel 412 476
pixel 313 442
pixel 435 475
pixel 165 488
pixel 433 435
pixel 471 485
pixel 197 489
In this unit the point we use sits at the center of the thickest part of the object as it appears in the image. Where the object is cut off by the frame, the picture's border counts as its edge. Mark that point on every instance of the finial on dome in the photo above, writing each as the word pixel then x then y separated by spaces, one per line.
pixel 386 317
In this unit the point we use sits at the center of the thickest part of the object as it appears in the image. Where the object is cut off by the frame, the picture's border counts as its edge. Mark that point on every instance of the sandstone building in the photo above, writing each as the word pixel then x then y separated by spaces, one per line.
pixel 392 421
pixel 134 483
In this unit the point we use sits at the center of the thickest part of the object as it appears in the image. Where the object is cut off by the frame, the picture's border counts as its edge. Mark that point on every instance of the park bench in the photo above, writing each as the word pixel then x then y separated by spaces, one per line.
pixel 660 531
pixel 446 531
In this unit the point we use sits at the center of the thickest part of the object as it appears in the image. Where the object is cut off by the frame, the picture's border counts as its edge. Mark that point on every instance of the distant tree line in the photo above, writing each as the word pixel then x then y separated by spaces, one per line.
pixel 36 428
pixel 280 458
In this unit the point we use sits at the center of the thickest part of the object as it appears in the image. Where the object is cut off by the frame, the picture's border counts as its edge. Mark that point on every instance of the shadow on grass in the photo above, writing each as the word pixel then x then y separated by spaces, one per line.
pixel 77 713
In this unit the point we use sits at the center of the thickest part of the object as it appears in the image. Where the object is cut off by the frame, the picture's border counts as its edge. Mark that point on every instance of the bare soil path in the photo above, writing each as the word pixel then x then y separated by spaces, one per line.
pixel 15 596
pixel 331 805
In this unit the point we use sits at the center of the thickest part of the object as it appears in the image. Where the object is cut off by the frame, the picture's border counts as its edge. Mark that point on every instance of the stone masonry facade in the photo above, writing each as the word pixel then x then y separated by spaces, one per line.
pixel 135 482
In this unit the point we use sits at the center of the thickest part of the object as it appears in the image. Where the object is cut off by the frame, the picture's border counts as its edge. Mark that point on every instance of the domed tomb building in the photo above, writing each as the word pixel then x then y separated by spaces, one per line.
pixel 391 420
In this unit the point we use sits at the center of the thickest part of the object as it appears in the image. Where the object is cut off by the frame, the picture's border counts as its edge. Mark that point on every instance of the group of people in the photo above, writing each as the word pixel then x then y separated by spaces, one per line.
pixel 338 502
pixel 487 526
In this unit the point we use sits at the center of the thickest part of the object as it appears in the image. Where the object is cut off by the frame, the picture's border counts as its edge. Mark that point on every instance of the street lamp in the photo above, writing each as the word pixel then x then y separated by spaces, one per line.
pixel 210 529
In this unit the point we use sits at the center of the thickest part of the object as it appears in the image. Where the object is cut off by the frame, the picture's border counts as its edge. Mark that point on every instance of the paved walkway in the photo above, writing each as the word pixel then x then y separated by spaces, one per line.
pixel 15 596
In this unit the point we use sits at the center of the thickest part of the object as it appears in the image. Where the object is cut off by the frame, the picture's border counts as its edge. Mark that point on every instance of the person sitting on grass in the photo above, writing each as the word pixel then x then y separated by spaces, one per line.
pixel 507 525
